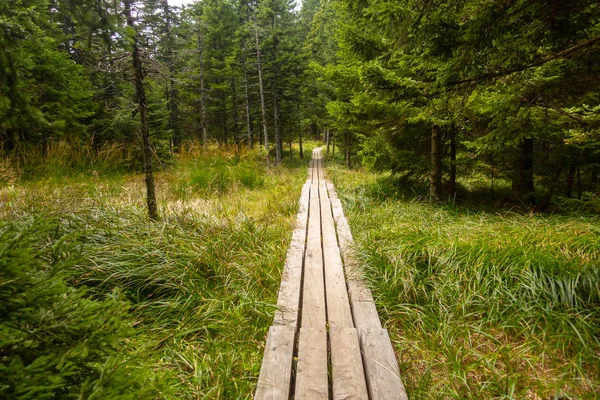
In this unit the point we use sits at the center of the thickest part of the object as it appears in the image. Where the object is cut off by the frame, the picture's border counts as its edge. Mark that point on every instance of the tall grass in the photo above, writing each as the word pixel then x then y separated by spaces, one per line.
pixel 480 305
pixel 68 158
pixel 176 309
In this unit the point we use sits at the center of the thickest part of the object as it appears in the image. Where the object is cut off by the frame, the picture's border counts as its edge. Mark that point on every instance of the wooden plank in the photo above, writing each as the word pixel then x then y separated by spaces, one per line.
pixel 348 375
pixel 313 295
pixel 381 367
pixel 331 190
pixel 320 173
pixel 357 288
pixel 365 315
pixel 311 376
pixel 276 369
pixel 288 301
pixel 344 233
pixel 338 304
pixel 302 217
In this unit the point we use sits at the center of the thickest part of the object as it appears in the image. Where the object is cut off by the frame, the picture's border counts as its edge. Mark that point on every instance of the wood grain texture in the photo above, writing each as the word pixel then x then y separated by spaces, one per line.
pixel 276 369
pixel 338 304
pixel 365 315
pixel 381 367
pixel 311 376
pixel 288 301
pixel 302 217
pixel 313 295
pixel 348 375
pixel 321 273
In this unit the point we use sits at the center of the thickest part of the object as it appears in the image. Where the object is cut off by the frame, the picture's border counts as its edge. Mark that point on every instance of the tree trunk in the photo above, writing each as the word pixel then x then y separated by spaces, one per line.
pixel 9 142
pixel 493 176
pixel 234 111
pixel 333 145
pixel 247 100
pixel 313 130
pixel 202 90
pixel 551 189
pixel 522 186
pixel 172 95
pixel 224 126
pixel 327 137
pixel 347 150
pixel 138 75
pixel 276 125
pixel 276 121
pixel 579 188
pixel 262 95
pixel 435 176
pixel 290 143
pixel 300 141
pixel 452 185
pixel 570 180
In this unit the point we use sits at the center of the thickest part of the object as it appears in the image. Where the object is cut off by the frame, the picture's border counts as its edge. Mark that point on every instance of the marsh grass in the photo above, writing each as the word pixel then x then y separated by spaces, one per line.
pixel 480 304
pixel 120 307
pixel 72 158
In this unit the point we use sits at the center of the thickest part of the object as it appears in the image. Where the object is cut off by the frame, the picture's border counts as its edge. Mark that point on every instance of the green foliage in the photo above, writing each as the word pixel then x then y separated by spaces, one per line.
pixel 72 158
pixel 57 339
pixel 98 302
pixel 480 304
pixel 492 75
pixel 588 203
pixel 216 175
pixel 46 95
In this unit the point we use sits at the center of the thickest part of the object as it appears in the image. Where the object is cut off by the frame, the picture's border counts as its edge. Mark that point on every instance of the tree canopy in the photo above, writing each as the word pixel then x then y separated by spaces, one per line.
pixel 432 91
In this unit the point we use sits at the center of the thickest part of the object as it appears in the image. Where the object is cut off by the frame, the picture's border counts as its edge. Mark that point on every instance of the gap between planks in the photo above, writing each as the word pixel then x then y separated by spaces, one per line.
pixel 337 323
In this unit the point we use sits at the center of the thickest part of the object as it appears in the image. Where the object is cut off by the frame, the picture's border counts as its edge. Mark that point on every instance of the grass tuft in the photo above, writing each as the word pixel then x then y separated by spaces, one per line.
pixel 480 304
pixel 102 303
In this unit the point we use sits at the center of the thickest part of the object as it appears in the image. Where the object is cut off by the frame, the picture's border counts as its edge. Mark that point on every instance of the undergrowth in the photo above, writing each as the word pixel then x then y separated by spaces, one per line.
pixel 97 302
pixel 480 304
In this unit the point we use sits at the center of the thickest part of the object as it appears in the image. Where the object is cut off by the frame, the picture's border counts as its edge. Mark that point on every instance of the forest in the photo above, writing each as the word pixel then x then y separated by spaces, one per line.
pixel 152 156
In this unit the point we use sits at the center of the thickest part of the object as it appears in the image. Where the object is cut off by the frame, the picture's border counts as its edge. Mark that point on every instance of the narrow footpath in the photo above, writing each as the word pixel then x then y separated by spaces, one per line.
pixel 326 340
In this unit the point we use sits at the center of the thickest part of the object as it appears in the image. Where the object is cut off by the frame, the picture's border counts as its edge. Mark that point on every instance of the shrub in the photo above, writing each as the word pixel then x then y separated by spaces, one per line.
pixel 56 341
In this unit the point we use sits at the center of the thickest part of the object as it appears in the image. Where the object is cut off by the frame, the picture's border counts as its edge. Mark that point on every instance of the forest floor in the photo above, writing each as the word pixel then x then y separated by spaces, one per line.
pixel 480 303
pixel 99 302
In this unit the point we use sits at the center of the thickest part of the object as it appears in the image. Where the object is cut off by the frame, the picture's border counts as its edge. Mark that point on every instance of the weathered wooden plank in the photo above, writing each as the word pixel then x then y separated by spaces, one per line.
pixel 320 172
pixel 357 288
pixel 303 204
pixel 344 233
pixel 331 190
pixel 347 373
pixel 338 304
pixel 313 295
pixel 288 301
pixel 365 316
pixel 381 367
pixel 311 375
pixel 276 369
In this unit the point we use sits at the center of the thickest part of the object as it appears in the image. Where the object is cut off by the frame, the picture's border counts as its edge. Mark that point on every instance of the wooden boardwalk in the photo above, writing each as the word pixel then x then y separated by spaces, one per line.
pixel 326 340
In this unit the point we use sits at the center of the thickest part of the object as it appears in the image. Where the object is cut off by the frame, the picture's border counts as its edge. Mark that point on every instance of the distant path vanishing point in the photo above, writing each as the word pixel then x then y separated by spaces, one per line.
pixel 326 339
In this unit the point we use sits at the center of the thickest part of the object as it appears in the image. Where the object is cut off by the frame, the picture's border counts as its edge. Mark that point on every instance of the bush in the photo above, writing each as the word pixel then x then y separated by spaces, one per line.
pixel 221 175
pixel 589 203
pixel 56 341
